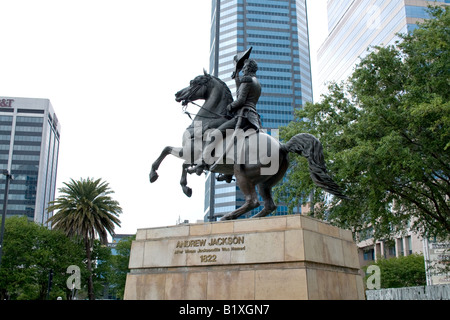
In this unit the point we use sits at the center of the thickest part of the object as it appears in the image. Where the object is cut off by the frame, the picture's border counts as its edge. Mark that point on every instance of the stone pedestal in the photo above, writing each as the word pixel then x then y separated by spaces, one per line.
pixel 283 257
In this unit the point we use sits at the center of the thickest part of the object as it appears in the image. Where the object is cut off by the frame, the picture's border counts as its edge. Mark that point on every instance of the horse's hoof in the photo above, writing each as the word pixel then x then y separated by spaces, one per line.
pixel 187 191
pixel 225 177
pixel 153 176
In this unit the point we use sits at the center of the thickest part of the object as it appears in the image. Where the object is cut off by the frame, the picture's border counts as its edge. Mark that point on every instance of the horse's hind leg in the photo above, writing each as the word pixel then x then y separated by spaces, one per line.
pixel 251 198
pixel 166 151
pixel 265 191
pixel 251 202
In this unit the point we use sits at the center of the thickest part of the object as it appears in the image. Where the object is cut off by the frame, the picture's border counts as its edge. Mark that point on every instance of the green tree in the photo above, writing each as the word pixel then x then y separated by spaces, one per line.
pixel 386 137
pixel 85 209
pixel 103 270
pixel 401 272
pixel 120 266
pixel 31 252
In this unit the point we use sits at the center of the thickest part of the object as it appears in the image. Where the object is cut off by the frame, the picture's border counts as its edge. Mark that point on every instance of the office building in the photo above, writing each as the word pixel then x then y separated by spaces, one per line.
pixel 402 244
pixel 116 238
pixel 278 33
pixel 354 26
pixel 29 146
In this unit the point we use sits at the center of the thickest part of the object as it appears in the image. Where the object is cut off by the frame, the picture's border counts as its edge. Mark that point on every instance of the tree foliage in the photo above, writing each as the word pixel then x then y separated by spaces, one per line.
pixel 401 272
pixel 30 252
pixel 85 210
pixel 119 266
pixel 386 137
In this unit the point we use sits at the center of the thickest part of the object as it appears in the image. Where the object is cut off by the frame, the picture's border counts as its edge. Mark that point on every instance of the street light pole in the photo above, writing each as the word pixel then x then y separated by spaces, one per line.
pixel 5 204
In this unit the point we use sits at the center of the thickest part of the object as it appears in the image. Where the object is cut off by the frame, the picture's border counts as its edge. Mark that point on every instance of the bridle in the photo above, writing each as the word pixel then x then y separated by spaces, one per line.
pixel 188 100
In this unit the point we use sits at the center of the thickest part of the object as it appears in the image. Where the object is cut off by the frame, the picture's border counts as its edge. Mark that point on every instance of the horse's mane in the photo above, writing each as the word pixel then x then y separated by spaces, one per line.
pixel 227 92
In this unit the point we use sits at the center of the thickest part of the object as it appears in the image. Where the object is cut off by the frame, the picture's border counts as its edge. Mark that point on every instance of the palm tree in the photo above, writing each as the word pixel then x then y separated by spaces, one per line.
pixel 86 210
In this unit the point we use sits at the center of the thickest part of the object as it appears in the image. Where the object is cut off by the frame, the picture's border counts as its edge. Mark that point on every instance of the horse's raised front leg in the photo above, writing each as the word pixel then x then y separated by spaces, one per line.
pixel 183 182
pixel 178 152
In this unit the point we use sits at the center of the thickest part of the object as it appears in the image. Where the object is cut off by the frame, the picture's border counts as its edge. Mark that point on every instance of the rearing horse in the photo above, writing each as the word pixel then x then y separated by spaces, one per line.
pixel 256 167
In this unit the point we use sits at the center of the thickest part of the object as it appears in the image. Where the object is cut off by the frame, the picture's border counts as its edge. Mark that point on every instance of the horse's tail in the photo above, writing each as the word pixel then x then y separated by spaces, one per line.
pixel 310 147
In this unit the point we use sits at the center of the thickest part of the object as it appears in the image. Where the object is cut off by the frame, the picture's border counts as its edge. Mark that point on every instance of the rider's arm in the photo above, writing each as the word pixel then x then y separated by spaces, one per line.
pixel 243 91
pixel 237 81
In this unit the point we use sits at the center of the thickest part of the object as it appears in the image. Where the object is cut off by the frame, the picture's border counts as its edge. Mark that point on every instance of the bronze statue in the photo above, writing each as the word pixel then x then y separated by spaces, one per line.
pixel 248 93
pixel 243 110
pixel 225 138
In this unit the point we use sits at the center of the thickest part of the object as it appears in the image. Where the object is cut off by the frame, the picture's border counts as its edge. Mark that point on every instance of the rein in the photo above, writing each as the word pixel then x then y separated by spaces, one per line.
pixel 189 114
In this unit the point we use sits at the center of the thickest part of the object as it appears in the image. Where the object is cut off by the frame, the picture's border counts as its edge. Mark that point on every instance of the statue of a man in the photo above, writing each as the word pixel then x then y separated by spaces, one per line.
pixel 248 93
pixel 244 107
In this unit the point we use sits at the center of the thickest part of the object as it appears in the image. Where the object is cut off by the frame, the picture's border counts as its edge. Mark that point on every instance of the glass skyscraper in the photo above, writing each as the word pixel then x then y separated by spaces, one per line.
pixel 278 33
pixel 354 26
pixel 29 147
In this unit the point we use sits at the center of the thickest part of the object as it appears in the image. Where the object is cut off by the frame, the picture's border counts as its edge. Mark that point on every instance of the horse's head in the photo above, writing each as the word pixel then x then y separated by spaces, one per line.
pixel 197 89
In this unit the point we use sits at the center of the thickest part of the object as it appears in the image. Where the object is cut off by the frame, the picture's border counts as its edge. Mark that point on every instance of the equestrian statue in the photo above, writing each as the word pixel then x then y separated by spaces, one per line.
pixel 226 137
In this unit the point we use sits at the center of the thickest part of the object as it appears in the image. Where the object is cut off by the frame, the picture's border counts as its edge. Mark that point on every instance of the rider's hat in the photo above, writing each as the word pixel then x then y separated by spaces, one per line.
pixel 240 58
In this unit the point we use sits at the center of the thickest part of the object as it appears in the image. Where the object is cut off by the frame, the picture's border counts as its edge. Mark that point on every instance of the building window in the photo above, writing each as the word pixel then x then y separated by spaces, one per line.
pixel 409 244
pixel 369 254
pixel 392 250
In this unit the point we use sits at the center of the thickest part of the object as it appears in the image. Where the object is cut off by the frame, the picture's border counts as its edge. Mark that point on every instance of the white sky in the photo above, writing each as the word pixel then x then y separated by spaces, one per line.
pixel 110 69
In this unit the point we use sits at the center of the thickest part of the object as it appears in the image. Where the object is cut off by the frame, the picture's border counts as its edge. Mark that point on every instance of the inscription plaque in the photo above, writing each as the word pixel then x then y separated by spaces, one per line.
pixel 209 249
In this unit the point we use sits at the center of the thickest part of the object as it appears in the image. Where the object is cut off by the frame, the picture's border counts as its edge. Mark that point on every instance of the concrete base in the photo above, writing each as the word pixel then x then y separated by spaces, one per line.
pixel 283 257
